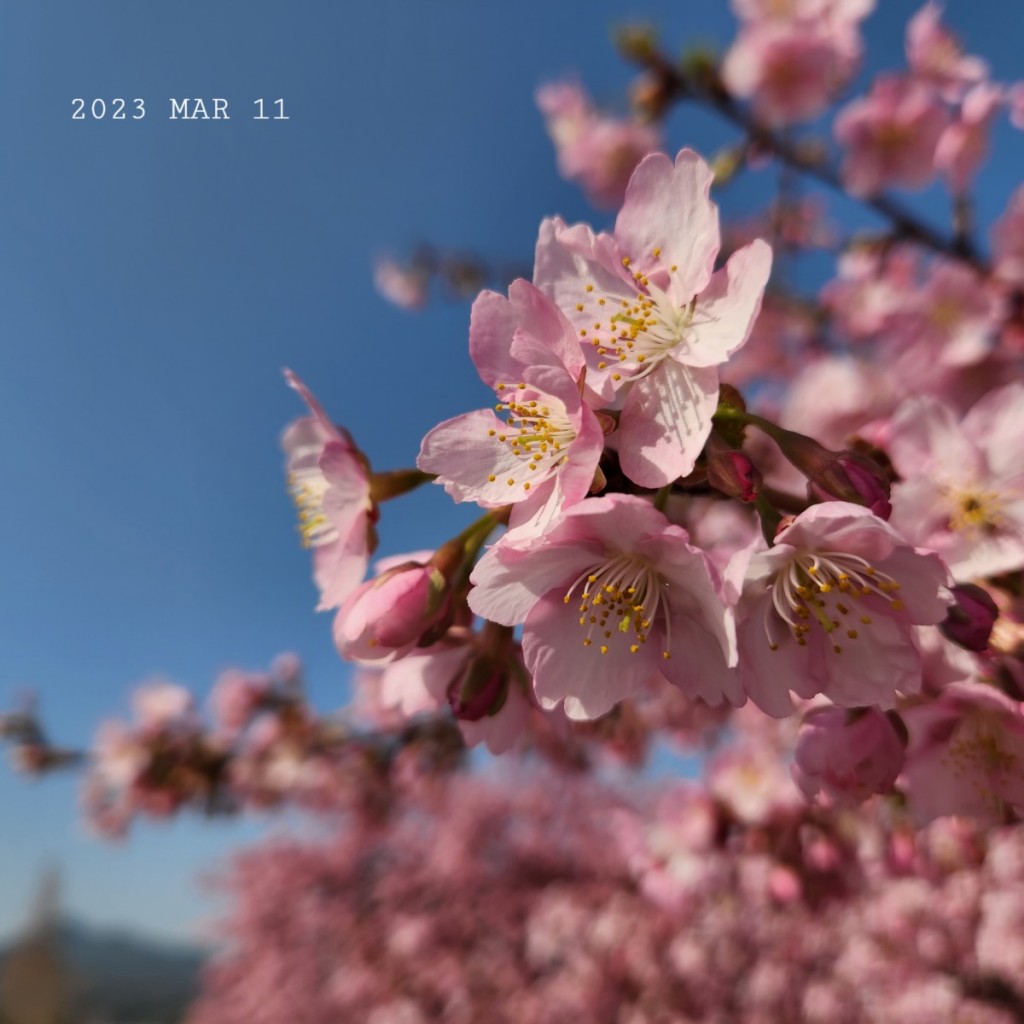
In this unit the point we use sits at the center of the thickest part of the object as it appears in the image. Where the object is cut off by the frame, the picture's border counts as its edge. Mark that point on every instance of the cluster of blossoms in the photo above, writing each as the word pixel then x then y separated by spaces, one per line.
pixel 783 532
pixel 650 542
pixel 563 900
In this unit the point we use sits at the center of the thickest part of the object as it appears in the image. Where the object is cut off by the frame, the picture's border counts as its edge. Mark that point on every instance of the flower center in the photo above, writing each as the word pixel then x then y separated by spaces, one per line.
pixel 619 602
pixel 821 588
pixel 975 510
pixel 307 487
pixel 633 331
pixel 536 432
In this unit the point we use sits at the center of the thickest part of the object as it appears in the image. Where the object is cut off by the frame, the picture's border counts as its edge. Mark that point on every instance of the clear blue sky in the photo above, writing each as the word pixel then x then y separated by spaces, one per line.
pixel 156 275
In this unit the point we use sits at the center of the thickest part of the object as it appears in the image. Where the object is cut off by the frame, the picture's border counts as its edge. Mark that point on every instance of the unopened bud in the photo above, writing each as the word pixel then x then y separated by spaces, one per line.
pixel 392 611
pixel 636 42
pixel 853 477
pixel 732 473
pixel 970 620
pixel 726 163
pixel 478 690
pixel 837 476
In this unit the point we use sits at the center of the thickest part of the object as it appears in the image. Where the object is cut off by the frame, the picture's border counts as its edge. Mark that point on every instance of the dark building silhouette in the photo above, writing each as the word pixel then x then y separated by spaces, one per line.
pixel 36 986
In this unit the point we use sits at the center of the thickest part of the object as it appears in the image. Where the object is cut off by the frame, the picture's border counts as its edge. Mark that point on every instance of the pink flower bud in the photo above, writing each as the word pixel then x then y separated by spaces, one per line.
pixel 836 476
pixel 732 473
pixel 846 756
pixel 389 614
pixel 970 620
pixel 856 478
pixel 478 690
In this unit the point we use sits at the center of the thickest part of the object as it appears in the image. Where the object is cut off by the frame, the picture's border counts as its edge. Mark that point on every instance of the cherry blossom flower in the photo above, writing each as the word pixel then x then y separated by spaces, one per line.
pixel 791 69
pixel 935 55
pixel 330 482
pixel 964 144
pixel 831 608
pixel 543 456
pixel 653 320
pixel 966 755
pixel 614 596
pixel 478 676
pixel 1008 241
pixel 962 487
pixel 598 151
pixel 845 756
pixel 950 318
pixel 839 11
pixel 890 136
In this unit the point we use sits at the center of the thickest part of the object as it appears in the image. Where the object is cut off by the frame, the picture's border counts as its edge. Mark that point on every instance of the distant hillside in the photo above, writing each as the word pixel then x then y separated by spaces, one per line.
pixel 120 978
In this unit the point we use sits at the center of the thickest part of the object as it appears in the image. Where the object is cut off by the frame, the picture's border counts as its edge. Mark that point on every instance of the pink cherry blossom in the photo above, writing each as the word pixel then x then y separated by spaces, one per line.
pixel 444 675
pixel 966 755
pixel 964 144
pixel 962 487
pixel 950 319
pixel 831 608
pixel 653 319
pixel 542 457
pixel 935 55
pixel 329 480
pixel 791 69
pixel 614 596
pixel 837 11
pixel 1008 241
pixel 598 151
pixel 890 136
pixel 843 757
pixel 161 705
pixel 871 286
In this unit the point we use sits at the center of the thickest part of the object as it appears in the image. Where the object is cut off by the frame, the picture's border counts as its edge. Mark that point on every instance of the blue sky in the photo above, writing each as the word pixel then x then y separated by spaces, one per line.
pixel 156 275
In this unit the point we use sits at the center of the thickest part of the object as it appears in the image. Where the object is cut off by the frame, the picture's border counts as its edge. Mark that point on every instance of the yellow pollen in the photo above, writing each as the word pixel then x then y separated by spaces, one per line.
pixel 492 478
pixel 656 252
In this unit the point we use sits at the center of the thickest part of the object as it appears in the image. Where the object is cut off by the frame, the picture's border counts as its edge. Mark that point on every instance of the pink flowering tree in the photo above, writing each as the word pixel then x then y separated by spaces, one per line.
pixel 779 533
